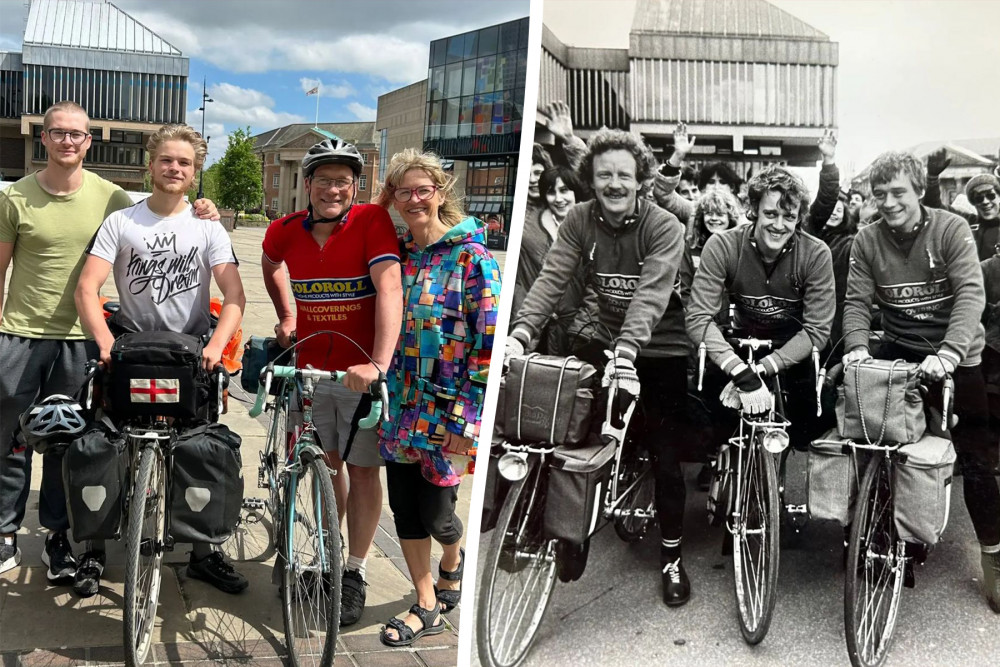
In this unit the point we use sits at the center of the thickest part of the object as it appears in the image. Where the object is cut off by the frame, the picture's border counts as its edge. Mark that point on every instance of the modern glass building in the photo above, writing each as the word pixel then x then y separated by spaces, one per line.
pixel 475 102
pixel 130 80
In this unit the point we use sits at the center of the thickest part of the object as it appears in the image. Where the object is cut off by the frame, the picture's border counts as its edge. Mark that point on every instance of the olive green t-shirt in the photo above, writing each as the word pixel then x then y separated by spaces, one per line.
pixel 50 234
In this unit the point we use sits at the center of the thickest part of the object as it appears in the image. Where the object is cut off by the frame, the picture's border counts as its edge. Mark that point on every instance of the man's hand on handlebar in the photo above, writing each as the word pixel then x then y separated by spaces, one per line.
pixel 359 378
pixel 934 368
pixel 211 356
pixel 753 396
pixel 857 354
pixel 284 331
pixel 513 348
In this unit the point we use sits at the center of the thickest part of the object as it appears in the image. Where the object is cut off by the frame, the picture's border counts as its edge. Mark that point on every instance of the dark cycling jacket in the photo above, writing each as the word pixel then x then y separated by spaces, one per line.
pixel 634 270
pixel 792 302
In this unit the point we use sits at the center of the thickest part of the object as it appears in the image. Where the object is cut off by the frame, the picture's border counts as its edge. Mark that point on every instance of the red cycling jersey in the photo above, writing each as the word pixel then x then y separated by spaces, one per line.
pixel 332 285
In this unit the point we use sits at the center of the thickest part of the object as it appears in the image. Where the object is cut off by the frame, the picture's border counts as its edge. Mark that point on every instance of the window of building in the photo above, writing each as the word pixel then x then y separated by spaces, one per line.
pixel 274 204
pixel 275 158
pixel 363 182
pixel 274 180
pixel 364 158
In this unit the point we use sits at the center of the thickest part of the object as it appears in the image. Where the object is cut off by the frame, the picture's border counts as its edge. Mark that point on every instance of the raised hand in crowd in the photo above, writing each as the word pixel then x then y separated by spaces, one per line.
pixel 560 122
pixel 827 145
pixel 937 162
pixel 683 144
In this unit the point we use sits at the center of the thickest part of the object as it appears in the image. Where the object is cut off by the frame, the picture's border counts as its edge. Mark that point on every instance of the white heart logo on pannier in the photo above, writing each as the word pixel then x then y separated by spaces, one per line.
pixel 197 498
pixel 94 497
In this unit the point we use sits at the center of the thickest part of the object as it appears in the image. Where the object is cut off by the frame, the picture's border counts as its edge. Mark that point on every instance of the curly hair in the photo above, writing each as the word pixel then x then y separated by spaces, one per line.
pixel 791 188
pixel 539 155
pixel 606 139
pixel 450 212
pixel 547 181
pixel 890 164
pixel 715 201
pixel 179 133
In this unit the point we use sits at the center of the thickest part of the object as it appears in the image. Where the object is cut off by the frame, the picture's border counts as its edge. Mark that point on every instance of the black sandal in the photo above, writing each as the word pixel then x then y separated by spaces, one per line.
pixel 450 598
pixel 405 634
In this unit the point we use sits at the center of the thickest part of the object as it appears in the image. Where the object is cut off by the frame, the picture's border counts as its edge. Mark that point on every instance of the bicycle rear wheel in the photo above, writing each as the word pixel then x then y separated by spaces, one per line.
pixel 638 505
pixel 144 537
pixel 519 575
pixel 875 569
pixel 755 543
pixel 310 587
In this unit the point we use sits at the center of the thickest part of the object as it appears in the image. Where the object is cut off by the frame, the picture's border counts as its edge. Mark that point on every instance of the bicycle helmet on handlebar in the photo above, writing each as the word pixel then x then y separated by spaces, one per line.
pixel 332 151
pixel 53 421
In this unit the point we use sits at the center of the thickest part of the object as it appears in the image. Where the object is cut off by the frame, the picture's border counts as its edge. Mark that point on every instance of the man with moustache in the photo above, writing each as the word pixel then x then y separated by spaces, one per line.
pixel 46 220
pixel 161 237
pixel 631 254
pixel 937 327
pixel 343 261
pixel 779 281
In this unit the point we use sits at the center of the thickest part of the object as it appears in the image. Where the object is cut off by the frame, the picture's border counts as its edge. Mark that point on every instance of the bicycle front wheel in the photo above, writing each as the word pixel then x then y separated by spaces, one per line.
pixel 144 538
pixel 755 543
pixel 875 569
pixel 310 587
pixel 519 575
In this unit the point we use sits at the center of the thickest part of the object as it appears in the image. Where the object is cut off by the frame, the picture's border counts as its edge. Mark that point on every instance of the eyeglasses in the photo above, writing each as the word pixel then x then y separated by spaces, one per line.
pixel 76 137
pixel 983 196
pixel 404 195
pixel 327 183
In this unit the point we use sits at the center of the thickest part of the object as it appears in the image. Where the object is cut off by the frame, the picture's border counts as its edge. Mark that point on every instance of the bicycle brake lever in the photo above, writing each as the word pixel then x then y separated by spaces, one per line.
pixel 701 363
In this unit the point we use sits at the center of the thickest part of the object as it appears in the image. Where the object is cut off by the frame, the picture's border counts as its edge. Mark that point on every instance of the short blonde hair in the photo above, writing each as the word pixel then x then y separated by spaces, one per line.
pixel 67 106
pixel 179 133
pixel 450 212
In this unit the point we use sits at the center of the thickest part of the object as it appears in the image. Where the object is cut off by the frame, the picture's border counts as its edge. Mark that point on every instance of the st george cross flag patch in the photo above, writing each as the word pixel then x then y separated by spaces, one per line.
pixel 145 390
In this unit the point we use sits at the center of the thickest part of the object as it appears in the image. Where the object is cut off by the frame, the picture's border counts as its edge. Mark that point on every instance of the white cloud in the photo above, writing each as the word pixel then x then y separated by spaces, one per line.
pixel 227 93
pixel 361 111
pixel 336 90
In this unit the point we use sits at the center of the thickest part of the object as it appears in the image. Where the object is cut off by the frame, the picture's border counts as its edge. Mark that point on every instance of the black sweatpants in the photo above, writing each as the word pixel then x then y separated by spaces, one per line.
pixel 421 509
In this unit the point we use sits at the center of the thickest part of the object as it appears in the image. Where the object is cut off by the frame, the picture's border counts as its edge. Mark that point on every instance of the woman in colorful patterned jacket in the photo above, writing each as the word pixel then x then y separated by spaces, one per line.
pixel 451 291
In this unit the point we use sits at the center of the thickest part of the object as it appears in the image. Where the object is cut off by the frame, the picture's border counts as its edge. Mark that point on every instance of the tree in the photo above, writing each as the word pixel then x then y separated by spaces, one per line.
pixel 238 177
pixel 211 187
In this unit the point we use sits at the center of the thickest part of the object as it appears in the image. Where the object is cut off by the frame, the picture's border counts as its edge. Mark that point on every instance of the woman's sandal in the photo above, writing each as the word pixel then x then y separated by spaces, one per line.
pixel 405 634
pixel 447 597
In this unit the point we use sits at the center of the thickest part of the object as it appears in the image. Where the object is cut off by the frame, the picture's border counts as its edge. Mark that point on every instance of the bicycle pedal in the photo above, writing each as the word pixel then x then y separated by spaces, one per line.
pixel 796 509
pixel 253 504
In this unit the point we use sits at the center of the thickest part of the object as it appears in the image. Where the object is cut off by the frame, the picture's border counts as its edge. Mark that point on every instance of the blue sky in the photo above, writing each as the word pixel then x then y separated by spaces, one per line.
pixel 260 56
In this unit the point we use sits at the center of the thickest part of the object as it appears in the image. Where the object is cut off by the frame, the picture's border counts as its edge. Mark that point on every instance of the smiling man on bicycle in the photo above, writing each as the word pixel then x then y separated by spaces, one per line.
pixel 779 281
pixel 630 252
pixel 920 266
pixel 343 260
pixel 163 259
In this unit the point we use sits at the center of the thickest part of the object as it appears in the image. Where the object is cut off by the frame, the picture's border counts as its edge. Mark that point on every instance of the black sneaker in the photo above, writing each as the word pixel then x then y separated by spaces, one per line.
pixel 352 597
pixel 10 555
pixel 215 570
pixel 58 555
pixel 676 586
pixel 88 575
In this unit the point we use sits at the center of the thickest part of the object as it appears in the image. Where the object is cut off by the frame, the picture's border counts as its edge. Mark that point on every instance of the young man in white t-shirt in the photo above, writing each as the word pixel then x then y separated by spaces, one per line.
pixel 164 258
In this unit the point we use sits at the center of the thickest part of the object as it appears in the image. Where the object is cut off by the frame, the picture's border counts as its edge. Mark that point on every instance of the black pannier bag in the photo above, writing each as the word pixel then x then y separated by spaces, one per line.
pixel 157 373
pixel 547 399
pixel 578 480
pixel 206 485
pixel 258 352
pixel 95 476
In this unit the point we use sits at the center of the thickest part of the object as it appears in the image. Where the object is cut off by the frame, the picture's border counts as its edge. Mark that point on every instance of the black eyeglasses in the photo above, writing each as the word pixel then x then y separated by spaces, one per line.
pixel 983 196
pixel 76 137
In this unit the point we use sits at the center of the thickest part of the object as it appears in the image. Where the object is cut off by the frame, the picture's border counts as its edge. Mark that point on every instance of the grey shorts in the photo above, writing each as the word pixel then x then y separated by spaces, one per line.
pixel 336 411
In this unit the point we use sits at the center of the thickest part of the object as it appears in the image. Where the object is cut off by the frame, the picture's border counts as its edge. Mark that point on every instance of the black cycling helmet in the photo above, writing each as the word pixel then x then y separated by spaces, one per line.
pixel 332 151
pixel 55 420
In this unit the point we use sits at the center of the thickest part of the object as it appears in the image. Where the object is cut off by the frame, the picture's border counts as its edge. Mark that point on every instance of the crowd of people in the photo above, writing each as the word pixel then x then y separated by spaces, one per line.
pixel 419 309
pixel 650 262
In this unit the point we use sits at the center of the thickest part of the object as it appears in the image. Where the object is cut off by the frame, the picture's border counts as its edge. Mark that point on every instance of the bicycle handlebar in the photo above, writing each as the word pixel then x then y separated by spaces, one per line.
pixel 380 404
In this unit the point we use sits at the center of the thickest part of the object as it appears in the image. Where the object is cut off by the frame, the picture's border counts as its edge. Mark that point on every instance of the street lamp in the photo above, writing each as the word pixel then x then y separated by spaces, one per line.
pixel 205 99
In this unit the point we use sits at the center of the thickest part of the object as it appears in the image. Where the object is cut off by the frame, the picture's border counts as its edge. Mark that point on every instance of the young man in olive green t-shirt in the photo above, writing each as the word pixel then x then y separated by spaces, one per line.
pixel 46 221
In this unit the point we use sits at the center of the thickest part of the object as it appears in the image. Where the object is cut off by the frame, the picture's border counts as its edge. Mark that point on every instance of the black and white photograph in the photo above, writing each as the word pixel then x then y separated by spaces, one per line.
pixel 750 407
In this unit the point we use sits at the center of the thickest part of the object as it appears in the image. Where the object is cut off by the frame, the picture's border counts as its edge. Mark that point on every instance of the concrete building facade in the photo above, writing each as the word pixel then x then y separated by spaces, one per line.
pixel 281 152
pixel 129 79
pixel 755 84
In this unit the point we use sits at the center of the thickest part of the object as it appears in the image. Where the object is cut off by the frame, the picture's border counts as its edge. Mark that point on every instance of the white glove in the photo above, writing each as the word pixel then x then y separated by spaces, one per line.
pixel 755 402
pixel 729 397
pixel 513 348
pixel 623 370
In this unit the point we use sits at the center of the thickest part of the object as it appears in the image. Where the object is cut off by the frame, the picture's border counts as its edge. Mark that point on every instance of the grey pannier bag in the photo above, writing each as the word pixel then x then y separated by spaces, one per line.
pixel 922 487
pixel 832 478
pixel 547 399
pixel 578 479
pixel 880 402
